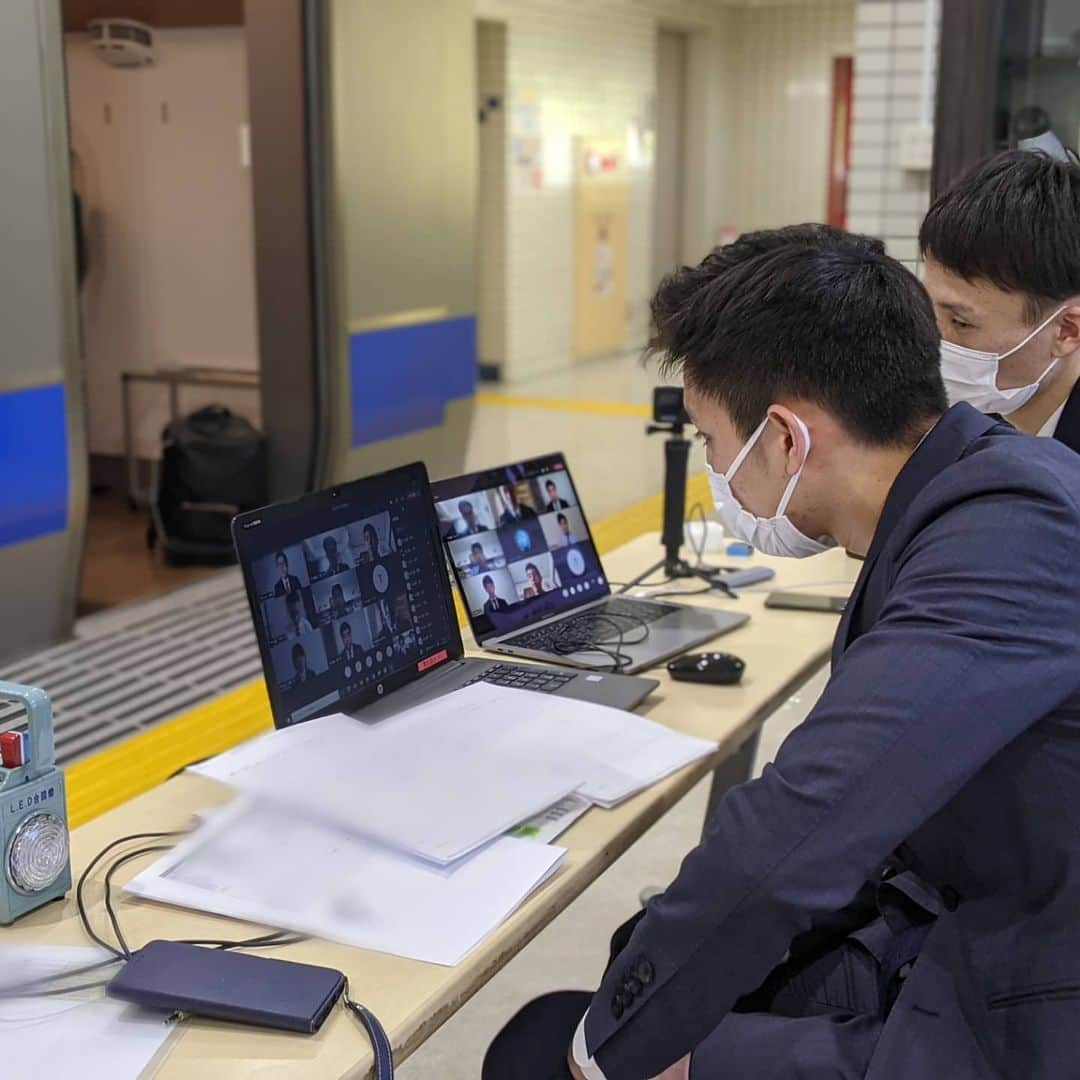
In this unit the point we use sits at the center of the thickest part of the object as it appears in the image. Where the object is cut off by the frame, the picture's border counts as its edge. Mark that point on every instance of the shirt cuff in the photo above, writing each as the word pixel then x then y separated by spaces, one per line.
pixel 589 1069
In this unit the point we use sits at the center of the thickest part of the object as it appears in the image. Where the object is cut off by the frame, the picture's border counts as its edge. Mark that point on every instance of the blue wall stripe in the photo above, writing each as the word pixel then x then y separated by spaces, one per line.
pixel 401 378
pixel 33 464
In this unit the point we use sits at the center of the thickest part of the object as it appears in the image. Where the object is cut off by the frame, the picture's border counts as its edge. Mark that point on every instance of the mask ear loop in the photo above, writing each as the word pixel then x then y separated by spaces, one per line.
pixel 741 456
pixel 790 489
pixel 1035 333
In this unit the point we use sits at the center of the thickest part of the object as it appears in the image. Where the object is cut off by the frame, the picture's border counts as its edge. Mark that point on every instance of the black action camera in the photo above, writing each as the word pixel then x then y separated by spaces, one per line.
pixel 667 406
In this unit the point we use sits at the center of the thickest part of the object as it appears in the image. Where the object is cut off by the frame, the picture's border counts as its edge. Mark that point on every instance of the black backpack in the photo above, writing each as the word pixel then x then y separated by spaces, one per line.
pixel 213 466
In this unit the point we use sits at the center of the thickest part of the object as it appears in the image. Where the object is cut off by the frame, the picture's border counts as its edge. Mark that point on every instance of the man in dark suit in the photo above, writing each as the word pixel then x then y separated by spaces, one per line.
pixel 494 602
pixel 515 510
pixel 1002 251
pixel 349 652
pixel 554 502
pixel 286 583
pixel 895 897
pixel 334 564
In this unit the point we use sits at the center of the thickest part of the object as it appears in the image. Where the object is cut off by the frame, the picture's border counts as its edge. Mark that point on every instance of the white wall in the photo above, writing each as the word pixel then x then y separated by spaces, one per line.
pixel 168 211
pixel 782 107
pixel 578 68
pixel 884 199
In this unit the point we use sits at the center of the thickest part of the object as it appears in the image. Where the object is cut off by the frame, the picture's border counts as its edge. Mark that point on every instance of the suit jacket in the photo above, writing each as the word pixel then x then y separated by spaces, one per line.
pixel 495 604
pixel 944 755
pixel 1068 426
pixel 294 584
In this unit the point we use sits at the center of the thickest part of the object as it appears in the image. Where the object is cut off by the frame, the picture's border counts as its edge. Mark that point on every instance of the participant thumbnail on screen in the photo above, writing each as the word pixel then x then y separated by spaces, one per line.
pixel 468 515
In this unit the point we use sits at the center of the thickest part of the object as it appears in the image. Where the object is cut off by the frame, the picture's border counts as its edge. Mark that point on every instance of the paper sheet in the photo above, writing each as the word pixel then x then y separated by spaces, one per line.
pixel 83 1035
pixel 554 821
pixel 437 781
pixel 444 778
pixel 263 864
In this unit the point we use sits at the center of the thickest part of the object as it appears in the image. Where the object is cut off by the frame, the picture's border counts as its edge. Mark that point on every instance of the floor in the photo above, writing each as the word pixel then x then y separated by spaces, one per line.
pixel 117 564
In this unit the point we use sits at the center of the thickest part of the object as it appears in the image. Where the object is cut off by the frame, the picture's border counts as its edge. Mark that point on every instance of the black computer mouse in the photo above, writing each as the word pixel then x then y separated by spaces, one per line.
pixel 721 669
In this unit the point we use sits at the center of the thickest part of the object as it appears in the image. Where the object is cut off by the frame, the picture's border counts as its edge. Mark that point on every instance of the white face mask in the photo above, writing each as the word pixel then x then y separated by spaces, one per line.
pixel 972 376
pixel 771 536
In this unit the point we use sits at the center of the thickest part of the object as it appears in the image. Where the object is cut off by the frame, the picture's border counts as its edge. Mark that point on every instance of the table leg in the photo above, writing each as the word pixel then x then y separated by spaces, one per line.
pixel 731 772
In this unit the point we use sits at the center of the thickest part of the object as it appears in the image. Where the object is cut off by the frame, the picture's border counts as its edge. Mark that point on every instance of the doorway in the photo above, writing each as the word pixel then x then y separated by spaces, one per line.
pixel 161 171
pixel 672 49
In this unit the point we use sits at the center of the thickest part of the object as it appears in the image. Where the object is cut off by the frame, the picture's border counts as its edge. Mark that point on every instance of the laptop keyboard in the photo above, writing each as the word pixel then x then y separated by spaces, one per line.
pixel 525 678
pixel 592 625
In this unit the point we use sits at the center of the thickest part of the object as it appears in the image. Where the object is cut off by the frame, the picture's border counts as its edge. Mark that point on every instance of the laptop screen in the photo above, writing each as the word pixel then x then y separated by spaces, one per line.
pixel 348 593
pixel 519 544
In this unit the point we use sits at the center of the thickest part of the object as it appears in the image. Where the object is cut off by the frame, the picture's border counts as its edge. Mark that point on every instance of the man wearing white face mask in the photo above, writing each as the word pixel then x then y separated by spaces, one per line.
pixel 895 897
pixel 1002 250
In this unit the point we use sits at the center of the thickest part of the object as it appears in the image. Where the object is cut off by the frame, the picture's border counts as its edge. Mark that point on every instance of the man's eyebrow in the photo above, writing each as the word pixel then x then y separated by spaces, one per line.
pixel 955 305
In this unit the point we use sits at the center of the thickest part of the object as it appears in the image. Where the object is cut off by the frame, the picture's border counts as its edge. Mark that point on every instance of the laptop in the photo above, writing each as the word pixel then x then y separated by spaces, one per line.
pixel 533 584
pixel 354 612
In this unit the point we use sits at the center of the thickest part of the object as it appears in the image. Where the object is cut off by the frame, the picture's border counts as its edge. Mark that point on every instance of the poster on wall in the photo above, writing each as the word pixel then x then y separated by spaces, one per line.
pixel 527 162
pixel 601 230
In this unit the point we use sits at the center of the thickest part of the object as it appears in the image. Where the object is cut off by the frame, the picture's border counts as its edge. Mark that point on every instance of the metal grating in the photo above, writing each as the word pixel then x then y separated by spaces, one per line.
pixel 130 668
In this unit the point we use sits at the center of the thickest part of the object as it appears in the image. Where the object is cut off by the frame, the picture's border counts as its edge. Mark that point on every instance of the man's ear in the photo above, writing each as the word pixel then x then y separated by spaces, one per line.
pixel 1067 333
pixel 783 422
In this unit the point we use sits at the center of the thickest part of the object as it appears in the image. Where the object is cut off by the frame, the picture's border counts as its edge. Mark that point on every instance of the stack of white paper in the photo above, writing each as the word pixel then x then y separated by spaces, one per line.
pixel 261 863
pixel 390 836
pixel 444 778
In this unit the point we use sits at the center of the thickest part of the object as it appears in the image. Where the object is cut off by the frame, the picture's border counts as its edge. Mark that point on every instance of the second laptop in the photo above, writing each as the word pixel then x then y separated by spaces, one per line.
pixel 520 546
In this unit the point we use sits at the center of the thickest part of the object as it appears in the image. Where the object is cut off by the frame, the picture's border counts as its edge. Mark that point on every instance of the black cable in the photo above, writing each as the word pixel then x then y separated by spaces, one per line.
pixel 567 644
pixel 109 909
pixel 80 903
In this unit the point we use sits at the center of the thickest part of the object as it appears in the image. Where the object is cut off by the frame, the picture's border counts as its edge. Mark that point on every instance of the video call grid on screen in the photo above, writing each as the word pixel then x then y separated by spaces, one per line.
pixel 338 616
pixel 519 544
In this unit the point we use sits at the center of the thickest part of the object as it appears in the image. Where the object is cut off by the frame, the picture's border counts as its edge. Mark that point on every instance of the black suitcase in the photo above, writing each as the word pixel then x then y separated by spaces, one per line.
pixel 213 466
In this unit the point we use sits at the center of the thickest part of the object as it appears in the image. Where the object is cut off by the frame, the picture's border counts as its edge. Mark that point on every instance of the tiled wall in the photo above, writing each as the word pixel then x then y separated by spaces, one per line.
pixel 577 68
pixel 890 45
pixel 783 71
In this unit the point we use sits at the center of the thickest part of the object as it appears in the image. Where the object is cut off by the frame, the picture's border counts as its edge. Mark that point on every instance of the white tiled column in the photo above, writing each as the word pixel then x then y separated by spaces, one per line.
pixel 884 199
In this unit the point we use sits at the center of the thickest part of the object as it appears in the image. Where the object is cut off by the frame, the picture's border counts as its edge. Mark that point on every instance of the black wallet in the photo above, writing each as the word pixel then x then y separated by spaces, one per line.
pixel 228 986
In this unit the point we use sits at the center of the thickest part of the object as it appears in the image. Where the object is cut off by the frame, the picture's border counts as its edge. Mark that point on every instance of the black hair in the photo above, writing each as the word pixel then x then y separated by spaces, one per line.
pixel 808 312
pixel 461 505
pixel 337 588
pixel 281 555
pixel 345 626
pixel 533 566
pixel 329 540
pixel 477 544
pixel 550 483
pixel 487 580
pixel 1013 221
pixel 562 519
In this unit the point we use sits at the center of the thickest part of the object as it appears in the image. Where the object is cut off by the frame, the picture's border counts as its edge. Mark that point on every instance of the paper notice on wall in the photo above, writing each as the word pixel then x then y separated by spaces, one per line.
pixel 525 117
pixel 527 162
